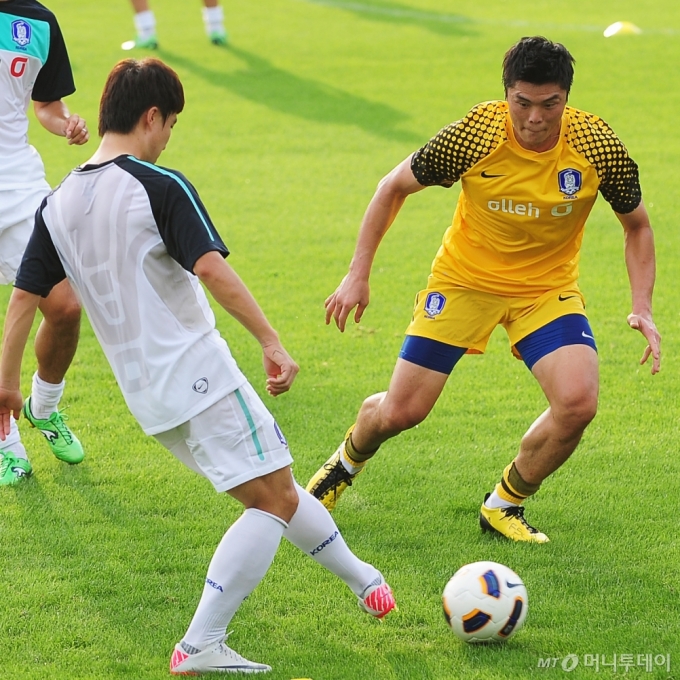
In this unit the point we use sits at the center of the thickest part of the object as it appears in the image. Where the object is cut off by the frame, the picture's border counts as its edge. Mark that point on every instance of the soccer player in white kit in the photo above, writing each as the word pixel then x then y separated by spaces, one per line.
pixel 135 241
pixel 34 64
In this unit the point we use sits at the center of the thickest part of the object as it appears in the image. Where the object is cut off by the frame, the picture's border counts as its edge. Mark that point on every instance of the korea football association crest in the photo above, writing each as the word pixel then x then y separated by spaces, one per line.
pixel 570 181
pixel 434 304
pixel 21 32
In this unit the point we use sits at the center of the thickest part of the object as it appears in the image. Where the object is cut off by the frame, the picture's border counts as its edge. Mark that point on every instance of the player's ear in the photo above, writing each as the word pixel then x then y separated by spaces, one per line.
pixel 150 115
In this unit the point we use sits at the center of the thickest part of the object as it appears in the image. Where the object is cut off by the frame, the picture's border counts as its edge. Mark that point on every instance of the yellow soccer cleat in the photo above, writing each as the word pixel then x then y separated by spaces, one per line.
pixel 510 522
pixel 331 480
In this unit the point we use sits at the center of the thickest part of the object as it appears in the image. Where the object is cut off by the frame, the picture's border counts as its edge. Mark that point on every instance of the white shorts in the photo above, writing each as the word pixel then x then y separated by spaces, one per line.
pixel 17 217
pixel 231 442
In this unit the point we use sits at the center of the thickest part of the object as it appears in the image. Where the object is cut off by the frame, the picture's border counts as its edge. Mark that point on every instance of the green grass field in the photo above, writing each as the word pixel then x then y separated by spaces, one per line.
pixel 286 135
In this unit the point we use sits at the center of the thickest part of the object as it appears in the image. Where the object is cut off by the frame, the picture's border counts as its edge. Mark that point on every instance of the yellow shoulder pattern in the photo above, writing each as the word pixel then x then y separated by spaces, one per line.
pixel 591 137
pixel 458 146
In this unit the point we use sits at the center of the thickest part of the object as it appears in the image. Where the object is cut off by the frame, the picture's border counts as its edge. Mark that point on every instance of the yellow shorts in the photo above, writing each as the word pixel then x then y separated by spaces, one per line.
pixel 466 318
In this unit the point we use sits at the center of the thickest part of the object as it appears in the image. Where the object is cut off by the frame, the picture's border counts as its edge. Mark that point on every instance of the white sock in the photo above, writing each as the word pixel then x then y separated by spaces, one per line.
pixel 349 463
pixel 145 24
pixel 13 441
pixel 495 501
pixel 45 397
pixel 352 469
pixel 213 19
pixel 240 562
pixel 313 530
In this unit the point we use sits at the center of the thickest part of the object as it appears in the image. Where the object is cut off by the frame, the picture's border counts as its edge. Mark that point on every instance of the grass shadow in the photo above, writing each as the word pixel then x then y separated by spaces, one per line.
pixel 263 83
pixel 442 23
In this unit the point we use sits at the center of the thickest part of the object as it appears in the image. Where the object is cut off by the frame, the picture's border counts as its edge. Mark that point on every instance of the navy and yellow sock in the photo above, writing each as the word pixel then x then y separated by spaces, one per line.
pixel 512 488
pixel 352 459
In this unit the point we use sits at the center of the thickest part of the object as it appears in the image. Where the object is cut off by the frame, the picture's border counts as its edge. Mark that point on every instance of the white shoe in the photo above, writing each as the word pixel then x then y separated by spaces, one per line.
pixel 218 658
pixel 377 600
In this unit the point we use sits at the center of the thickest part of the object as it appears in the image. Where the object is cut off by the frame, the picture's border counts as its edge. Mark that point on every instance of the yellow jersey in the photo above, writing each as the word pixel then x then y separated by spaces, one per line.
pixel 518 225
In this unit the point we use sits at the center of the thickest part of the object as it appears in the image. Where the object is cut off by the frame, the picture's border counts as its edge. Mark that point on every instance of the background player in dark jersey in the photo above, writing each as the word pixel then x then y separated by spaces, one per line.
pixel 531 168
pixel 34 65
pixel 135 240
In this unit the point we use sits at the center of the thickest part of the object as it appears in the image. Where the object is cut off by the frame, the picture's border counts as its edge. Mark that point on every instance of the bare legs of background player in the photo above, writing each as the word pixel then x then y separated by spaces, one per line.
pixel 145 25
pixel 55 346
pixel 569 379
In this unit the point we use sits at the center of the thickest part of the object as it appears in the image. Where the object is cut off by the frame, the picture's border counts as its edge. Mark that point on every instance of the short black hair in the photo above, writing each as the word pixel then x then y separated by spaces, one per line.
pixel 133 87
pixel 539 61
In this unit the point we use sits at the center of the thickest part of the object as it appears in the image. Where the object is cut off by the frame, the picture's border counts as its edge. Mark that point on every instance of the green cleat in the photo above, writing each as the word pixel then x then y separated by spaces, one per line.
pixel 64 444
pixel 218 37
pixel 13 469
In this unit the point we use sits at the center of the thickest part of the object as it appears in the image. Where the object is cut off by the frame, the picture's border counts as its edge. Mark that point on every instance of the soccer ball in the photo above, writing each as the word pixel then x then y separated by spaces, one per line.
pixel 485 602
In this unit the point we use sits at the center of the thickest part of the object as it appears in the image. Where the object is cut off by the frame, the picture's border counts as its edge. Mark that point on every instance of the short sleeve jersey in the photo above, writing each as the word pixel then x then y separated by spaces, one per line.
pixel 127 234
pixel 33 64
pixel 518 225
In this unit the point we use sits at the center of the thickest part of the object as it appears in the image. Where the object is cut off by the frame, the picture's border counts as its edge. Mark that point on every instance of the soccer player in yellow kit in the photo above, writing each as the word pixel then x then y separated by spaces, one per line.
pixel 530 168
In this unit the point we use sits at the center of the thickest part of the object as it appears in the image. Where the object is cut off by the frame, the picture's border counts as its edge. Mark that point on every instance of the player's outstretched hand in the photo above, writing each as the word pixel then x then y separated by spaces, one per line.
pixel 76 130
pixel 351 293
pixel 646 326
pixel 11 402
pixel 280 368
